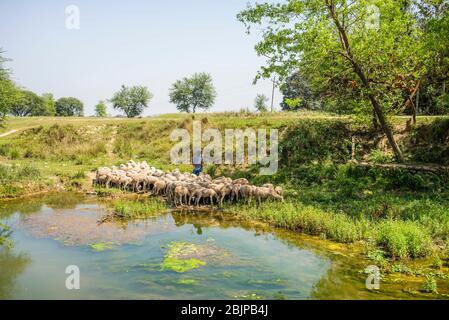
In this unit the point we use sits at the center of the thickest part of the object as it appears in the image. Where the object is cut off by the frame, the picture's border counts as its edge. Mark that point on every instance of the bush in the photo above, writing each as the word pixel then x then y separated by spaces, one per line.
pixel 378 156
pixel 404 239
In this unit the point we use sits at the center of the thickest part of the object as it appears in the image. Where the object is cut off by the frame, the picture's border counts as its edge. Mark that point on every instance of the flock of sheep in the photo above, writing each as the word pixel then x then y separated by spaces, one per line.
pixel 183 188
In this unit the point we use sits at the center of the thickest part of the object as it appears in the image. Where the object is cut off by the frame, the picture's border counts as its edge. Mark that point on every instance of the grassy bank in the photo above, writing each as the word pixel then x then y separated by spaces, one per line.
pixel 400 214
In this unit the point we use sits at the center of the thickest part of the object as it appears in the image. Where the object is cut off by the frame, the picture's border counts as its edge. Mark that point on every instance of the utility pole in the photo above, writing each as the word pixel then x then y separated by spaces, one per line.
pixel 272 92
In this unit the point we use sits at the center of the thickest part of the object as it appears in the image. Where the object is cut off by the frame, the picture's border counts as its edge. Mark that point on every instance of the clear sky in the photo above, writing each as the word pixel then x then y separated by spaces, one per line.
pixel 151 43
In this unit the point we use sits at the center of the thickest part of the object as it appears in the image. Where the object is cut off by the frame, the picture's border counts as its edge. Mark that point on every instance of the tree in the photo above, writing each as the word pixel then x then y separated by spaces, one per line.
pixel 196 92
pixel 342 51
pixel 131 100
pixel 260 103
pixel 433 17
pixel 69 107
pixel 28 104
pixel 49 104
pixel 100 109
pixel 9 93
pixel 298 94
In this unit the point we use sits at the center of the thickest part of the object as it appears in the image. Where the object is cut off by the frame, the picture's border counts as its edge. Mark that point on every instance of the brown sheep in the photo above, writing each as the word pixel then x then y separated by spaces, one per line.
pixel 181 193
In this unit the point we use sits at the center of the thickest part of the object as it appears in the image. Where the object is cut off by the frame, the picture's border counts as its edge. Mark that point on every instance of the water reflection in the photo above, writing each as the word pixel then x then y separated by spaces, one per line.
pixel 11 266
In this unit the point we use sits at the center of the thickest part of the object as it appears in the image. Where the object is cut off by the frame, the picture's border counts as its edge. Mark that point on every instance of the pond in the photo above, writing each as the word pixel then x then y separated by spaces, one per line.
pixel 172 256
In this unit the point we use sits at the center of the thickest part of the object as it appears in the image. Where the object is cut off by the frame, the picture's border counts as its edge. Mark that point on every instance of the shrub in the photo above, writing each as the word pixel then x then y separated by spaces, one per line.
pixel 404 239
pixel 378 156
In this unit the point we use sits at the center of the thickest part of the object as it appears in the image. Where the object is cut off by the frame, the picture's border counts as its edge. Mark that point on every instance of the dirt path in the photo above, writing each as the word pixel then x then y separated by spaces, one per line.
pixel 110 144
pixel 7 133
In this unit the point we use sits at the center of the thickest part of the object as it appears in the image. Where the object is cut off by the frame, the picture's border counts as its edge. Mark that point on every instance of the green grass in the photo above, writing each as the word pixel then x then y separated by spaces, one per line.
pixel 298 217
pixel 130 209
pixel 403 239
pixel 398 239
pixel 13 173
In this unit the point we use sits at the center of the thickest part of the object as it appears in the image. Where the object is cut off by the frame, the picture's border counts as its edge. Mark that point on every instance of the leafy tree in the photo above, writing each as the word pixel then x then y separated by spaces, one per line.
pixel 297 93
pixel 100 109
pixel 131 100
pixel 341 50
pixel 260 103
pixel 196 92
pixel 49 104
pixel 69 107
pixel 9 93
pixel 433 17
pixel 29 104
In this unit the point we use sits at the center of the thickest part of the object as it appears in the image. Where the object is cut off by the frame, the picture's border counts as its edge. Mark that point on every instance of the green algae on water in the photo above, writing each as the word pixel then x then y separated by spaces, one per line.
pixel 102 246
pixel 177 258
pixel 181 265
pixel 186 281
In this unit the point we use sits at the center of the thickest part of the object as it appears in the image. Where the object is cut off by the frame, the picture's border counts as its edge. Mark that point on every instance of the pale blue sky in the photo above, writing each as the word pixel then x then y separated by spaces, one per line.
pixel 151 43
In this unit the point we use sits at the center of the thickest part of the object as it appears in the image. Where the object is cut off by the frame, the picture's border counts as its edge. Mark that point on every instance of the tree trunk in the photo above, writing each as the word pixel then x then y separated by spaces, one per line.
pixel 361 74
pixel 386 128
pixel 375 122
pixel 417 101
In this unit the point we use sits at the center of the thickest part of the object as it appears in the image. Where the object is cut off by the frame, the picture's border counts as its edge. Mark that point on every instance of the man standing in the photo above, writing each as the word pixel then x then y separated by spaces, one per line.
pixel 197 164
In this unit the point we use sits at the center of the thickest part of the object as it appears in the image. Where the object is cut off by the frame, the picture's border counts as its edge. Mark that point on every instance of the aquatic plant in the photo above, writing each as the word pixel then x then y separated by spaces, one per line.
pixel 430 285
pixel 102 246
pixel 177 258
pixel 181 265
pixel 186 281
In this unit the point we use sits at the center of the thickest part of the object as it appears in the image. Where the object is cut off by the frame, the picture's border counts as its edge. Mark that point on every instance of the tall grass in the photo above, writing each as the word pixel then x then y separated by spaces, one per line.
pixel 139 209
pixel 303 218
pixel 403 239
pixel 13 173
pixel 398 239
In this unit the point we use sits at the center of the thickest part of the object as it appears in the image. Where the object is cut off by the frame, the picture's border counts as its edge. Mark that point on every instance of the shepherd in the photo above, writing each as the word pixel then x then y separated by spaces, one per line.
pixel 197 164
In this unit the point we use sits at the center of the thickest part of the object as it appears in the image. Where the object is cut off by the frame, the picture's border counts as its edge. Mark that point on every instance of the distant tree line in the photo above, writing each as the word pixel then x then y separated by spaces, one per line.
pixel 189 95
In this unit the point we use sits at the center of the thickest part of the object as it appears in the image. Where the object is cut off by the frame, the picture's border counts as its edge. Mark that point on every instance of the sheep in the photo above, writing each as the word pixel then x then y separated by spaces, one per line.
pixel 241 181
pixel 159 186
pixel 196 195
pixel 247 192
pixel 266 194
pixel 279 191
pixel 210 194
pixel 225 190
pixel 235 192
pixel 183 187
pixel 181 193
